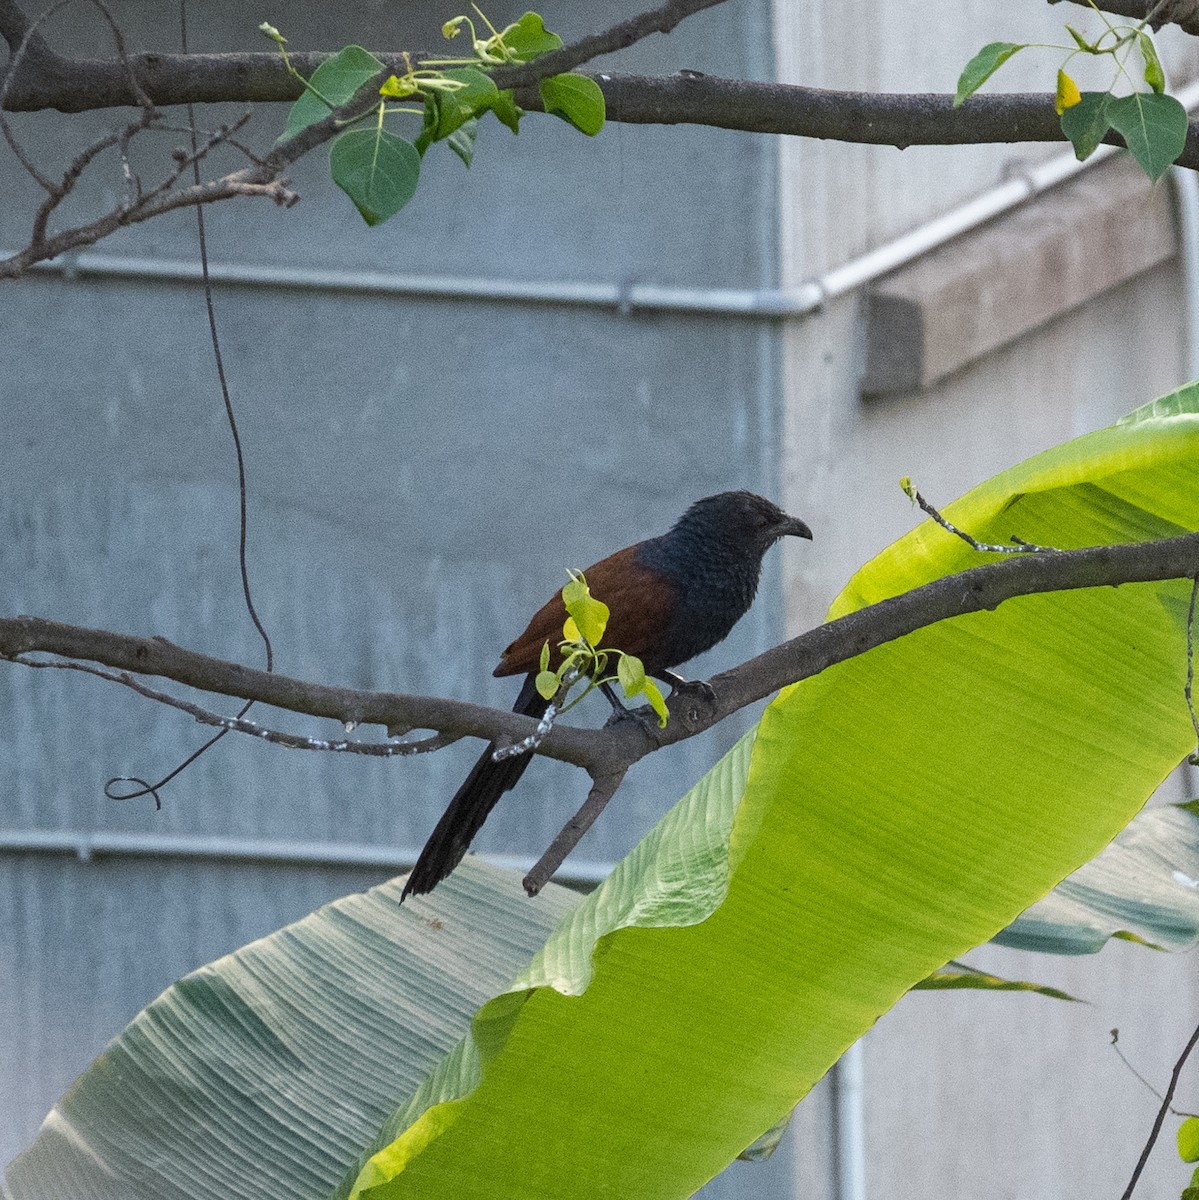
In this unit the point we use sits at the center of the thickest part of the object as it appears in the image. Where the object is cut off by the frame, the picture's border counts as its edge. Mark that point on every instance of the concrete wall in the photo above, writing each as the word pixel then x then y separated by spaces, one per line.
pixel 420 473
pixel 1011 1096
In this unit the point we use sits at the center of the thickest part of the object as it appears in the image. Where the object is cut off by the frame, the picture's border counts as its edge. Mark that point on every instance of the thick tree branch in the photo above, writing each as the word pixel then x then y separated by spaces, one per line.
pixel 873 118
pixel 606 752
pixel 603 788
pixel 1183 13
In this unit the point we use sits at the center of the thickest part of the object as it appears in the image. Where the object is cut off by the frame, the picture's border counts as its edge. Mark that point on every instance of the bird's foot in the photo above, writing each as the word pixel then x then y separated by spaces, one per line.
pixel 693 699
pixel 643 716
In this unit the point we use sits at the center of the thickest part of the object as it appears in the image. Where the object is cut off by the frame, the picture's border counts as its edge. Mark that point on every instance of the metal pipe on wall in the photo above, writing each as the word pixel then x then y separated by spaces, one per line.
pixel 88 845
pixel 759 303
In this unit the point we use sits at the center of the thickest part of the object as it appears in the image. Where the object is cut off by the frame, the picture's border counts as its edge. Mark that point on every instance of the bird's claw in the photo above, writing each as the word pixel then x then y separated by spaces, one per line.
pixel 643 716
pixel 698 697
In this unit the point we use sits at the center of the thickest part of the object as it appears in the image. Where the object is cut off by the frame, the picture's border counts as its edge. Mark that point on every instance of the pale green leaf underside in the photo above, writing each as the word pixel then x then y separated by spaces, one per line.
pixel 1144 887
pixel 267 1072
pixel 900 808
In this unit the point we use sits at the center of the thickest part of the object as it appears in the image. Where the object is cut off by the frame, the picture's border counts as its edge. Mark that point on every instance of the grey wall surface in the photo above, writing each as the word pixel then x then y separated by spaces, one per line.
pixel 420 474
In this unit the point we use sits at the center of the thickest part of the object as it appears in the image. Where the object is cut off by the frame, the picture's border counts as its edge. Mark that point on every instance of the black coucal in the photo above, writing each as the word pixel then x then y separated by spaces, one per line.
pixel 671 598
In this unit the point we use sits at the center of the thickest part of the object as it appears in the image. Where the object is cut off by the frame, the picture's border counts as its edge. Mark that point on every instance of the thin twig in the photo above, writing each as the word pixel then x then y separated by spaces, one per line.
pixel 1019 546
pixel 238 724
pixel 19 53
pixel 1115 1045
pixel 603 788
pixel 1161 1114
pixel 618 37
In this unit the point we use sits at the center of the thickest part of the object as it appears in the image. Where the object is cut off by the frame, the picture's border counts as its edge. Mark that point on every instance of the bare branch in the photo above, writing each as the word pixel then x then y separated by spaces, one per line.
pixel 1161 1114
pixel 1017 546
pixel 263 178
pixel 619 37
pixel 603 788
pixel 871 118
pixel 399 714
pixel 292 741
pixel 1183 13
pixel 881 119
pixel 602 752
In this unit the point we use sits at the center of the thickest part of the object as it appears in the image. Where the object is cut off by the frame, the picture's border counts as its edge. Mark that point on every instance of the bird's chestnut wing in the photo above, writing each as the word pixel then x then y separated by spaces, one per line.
pixel 641 602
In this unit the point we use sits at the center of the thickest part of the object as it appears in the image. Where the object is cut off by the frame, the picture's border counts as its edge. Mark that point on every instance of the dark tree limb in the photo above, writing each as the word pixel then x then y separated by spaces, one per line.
pixel 38 78
pixel 603 788
pixel 605 752
pixel 1183 13
pixel 873 118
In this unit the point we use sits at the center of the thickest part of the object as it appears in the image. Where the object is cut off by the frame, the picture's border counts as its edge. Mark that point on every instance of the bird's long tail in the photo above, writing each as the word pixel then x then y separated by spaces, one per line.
pixel 478 795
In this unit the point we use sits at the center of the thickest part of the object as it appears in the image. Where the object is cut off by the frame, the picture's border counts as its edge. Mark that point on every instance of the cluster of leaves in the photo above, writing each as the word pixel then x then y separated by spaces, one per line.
pixel 378 169
pixel 1152 124
pixel 583 659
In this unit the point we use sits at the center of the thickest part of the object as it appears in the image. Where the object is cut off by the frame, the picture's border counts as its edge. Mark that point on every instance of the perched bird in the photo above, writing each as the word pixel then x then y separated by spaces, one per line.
pixel 671 597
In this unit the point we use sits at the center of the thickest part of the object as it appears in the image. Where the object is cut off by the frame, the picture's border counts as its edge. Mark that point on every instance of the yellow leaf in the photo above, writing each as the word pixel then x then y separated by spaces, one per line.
pixel 395 86
pixel 1068 94
pixel 570 631
pixel 590 615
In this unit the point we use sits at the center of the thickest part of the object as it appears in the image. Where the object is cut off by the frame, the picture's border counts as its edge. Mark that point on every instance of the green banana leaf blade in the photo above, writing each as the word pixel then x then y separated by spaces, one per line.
pixel 893 812
pixel 900 808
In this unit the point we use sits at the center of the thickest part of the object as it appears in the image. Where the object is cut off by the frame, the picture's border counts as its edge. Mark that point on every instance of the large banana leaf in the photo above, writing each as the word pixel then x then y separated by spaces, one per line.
pixel 1144 888
pixel 889 814
pixel 899 809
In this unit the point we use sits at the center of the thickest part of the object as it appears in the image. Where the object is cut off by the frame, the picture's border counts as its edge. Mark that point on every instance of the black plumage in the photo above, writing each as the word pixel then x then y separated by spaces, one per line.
pixel 671 597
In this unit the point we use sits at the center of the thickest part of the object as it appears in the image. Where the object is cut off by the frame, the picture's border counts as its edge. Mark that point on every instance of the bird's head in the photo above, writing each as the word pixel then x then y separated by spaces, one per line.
pixel 742 519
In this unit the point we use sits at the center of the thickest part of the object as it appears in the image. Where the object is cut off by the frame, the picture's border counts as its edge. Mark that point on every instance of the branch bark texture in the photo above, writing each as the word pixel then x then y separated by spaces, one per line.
pixel 889 119
pixel 1183 13
pixel 607 753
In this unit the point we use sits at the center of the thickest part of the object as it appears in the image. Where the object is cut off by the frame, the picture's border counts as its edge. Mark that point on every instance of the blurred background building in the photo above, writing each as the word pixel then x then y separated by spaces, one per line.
pixel 537 361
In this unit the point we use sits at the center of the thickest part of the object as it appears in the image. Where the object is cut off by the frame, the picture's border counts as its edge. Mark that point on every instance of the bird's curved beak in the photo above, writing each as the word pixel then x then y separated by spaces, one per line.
pixel 793 527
